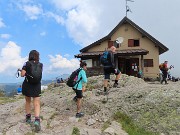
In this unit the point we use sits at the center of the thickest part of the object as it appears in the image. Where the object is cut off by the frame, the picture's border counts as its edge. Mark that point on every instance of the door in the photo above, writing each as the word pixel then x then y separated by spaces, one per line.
pixel 128 66
pixel 134 62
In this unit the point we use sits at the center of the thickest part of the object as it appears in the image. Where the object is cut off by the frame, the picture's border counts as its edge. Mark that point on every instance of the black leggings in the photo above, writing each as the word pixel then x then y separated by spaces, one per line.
pixel 164 76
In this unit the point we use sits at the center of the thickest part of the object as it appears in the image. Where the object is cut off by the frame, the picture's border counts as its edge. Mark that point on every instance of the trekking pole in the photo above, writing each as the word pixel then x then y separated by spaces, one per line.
pixel 17 73
pixel 19 70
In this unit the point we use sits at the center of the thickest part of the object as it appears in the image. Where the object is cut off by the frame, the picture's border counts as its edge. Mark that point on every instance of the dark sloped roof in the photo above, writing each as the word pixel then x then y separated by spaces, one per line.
pixel 128 52
pixel 162 48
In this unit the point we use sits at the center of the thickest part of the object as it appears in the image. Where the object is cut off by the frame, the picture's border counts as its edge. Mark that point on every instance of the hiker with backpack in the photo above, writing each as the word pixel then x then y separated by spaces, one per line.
pixel 107 60
pixel 164 69
pixel 76 80
pixel 31 87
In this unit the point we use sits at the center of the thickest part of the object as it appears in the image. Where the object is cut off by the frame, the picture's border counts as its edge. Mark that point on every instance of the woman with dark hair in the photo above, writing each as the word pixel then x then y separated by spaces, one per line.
pixel 79 88
pixel 32 88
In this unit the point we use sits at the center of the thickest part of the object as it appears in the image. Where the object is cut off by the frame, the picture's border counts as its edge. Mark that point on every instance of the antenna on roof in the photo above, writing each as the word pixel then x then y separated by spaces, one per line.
pixel 119 40
pixel 127 7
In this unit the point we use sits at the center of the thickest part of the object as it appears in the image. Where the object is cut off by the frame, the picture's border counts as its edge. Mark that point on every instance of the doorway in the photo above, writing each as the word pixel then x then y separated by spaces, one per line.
pixel 128 66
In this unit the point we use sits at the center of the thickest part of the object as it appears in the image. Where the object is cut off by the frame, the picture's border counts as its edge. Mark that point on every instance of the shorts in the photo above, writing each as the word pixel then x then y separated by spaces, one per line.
pixel 108 71
pixel 31 90
pixel 78 93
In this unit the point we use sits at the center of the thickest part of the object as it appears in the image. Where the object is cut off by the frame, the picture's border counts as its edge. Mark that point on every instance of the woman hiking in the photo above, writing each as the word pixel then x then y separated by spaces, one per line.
pixel 31 87
pixel 79 88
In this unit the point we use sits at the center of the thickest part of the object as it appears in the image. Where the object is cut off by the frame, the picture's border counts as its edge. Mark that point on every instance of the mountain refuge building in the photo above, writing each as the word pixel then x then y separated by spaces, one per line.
pixel 136 51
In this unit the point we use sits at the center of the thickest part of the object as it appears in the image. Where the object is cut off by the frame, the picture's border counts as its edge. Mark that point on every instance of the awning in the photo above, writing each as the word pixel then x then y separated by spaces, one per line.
pixel 128 52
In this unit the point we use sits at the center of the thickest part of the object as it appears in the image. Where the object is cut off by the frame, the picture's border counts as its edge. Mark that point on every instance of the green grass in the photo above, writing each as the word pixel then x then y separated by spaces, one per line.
pixel 2 93
pixel 129 125
pixel 75 131
pixel 106 125
pixel 4 100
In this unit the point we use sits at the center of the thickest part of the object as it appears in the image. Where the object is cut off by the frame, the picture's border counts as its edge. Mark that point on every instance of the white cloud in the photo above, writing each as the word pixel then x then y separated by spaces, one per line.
pixel 66 5
pixel 66 55
pixel 58 19
pixel 5 36
pixel 43 33
pixel 62 65
pixel 10 58
pixel 1 23
pixel 90 20
pixel 32 11
pixel 24 1
pixel 60 62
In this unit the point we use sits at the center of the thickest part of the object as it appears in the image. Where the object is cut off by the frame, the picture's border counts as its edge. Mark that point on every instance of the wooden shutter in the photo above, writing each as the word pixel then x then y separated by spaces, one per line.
pixel 110 43
pixel 130 42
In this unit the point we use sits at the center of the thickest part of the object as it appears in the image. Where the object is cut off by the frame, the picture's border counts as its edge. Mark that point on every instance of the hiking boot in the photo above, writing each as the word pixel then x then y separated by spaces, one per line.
pixel 37 125
pixel 105 92
pixel 28 118
pixel 115 85
pixel 79 115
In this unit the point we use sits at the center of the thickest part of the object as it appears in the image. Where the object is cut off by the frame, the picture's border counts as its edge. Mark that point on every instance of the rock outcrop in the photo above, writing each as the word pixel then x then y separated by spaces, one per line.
pixel 151 105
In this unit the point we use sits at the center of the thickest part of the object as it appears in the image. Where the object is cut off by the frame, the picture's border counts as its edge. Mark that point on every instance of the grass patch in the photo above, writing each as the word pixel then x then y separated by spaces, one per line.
pixel 75 131
pixel 30 133
pixel 106 125
pixel 129 126
pixel 4 100
pixel 2 94
pixel 53 116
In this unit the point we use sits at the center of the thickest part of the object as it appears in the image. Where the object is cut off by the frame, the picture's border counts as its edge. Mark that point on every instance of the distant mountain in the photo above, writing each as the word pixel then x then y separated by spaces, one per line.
pixel 48 81
pixel 9 88
pixel 63 76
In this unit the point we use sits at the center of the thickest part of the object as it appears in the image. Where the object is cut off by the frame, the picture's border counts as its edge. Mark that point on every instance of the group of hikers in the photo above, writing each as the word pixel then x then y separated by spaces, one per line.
pixel 31 87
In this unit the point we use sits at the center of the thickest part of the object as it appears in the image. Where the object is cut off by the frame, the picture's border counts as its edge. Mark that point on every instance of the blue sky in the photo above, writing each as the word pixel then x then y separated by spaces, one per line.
pixel 58 29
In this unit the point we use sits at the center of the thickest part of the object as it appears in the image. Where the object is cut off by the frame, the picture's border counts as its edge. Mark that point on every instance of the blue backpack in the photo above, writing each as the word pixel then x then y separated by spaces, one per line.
pixel 104 59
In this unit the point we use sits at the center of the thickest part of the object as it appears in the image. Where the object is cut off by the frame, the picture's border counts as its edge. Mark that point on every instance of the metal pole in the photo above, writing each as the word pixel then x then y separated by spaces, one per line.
pixel 126 8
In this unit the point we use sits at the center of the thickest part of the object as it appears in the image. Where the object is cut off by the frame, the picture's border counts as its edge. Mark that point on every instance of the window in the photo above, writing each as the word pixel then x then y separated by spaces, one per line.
pixel 113 43
pixel 96 63
pixel 133 42
pixel 148 62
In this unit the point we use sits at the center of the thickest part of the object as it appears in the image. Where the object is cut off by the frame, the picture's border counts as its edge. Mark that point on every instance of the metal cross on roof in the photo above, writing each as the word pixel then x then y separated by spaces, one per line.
pixel 127 7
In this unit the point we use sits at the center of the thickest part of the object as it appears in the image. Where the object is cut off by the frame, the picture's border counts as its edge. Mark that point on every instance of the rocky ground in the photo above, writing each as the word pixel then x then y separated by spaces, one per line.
pixel 151 105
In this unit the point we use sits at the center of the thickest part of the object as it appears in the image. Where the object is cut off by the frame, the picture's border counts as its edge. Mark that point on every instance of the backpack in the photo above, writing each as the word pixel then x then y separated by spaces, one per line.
pixel 34 75
pixel 72 80
pixel 161 66
pixel 104 59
